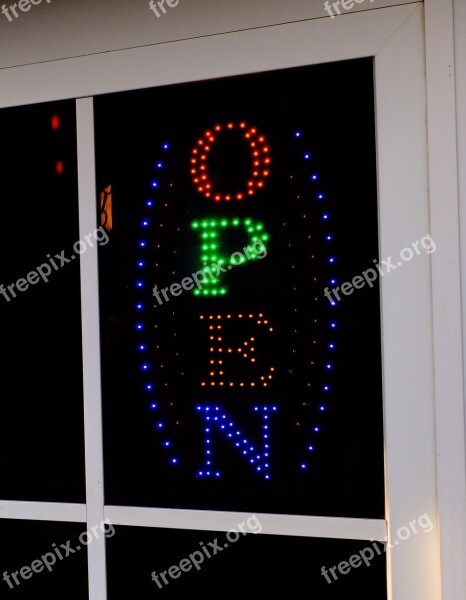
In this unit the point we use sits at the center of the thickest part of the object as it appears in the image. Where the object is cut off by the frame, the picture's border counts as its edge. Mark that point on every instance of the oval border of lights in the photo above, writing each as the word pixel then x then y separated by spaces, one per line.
pixel 145 363
pixel 332 325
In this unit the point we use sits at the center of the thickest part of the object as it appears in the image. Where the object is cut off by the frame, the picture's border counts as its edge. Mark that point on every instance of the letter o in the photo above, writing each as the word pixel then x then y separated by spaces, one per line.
pixel 233 531
pixel 411 254
pixel 240 258
pixel 398 533
pixel 88 538
pixel 80 244
pixel 260 160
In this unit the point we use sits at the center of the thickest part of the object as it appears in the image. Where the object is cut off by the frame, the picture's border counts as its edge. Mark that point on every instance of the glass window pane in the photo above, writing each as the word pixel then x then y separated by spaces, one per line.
pixel 139 562
pixel 244 387
pixel 42 560
pixel 41 415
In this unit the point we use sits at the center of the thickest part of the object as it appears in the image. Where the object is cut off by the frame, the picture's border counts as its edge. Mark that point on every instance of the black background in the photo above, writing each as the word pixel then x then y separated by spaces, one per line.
pixel 255 565
pixel 26 541
pixel 332 105
pixel 41 414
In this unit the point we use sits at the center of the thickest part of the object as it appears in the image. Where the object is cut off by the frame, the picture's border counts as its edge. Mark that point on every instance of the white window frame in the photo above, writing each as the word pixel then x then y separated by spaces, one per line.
pixel 412 301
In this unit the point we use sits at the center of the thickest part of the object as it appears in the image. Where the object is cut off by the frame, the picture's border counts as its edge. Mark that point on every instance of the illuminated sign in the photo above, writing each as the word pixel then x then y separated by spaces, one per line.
pixel 230 381
pixel 236 330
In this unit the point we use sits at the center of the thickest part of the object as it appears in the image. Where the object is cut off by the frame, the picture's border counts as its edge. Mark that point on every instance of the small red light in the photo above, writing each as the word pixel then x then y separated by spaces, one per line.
pixel 55 122
pixel 59 167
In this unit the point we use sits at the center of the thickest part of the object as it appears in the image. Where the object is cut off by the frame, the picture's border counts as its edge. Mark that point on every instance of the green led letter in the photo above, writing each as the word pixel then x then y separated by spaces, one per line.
pixel 215 261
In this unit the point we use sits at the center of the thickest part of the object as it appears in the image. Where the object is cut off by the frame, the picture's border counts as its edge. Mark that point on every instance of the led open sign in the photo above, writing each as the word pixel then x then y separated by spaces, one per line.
pixel 242 361
pixel 229 379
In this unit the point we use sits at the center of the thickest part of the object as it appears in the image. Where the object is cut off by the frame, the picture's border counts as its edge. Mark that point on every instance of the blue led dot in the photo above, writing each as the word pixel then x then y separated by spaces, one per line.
pixel 160 425
pixel 154 184
pixel 267 476
pixel 320 196
pixel 142 244
pixel 139 284
pixel 331 346
pixel 165 146
pixel 145 367
pixel 326 388
pixel 333 281
pixel 333 325
pixel 329 366
pixel 303 466
pixel 329 238
pixel 149 203
pixel 316 429
pixel 145 223
pixel 139 326
pixel 325 216
pixel 314 176
pixel 310 448
pixel 274 408
pixel 149 386
pixel 153 406
pixel 167 444
pixel 139 307
pixel 141 347
pixel 297 134
pixel 174 461
pixel 159 165
pixel 321 408
pixel 141 263
pixel 331 259
pixel 307 156
pixel 217 474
